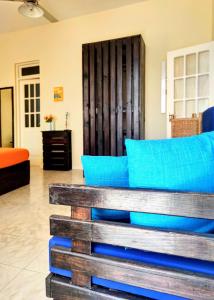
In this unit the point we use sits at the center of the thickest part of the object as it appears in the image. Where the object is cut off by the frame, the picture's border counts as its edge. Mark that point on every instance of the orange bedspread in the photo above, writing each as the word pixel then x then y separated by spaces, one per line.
pixel 12 156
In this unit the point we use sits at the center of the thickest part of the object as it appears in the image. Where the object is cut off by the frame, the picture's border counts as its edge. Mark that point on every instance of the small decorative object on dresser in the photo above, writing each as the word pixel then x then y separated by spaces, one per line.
pixel 57 150
pixel 49 119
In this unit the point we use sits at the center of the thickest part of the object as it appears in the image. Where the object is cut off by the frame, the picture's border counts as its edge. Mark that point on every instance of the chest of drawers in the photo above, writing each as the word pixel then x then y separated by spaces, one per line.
pixel 57 153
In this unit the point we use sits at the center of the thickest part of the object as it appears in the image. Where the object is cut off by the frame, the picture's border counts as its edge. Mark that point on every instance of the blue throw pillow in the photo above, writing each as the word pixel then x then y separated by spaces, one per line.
pixel 108 171
pixel 180 164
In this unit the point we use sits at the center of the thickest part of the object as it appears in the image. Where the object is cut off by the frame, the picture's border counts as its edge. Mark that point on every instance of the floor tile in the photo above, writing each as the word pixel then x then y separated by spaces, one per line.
pixel 27 285
pixel 8 273
pixel 24 234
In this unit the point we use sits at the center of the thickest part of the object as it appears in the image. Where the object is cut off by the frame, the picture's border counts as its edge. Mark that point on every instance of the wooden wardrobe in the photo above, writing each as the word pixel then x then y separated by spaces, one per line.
pixel 113 94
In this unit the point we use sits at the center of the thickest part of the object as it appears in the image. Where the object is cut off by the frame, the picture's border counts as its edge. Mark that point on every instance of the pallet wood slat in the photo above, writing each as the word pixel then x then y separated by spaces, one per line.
pixel 136 82
pixel 92 100
pixel 119 98
pixel 86 105
pixel 81 213
pixel 142 88
pixel 129 88
pixel 83 231
pixel 113 98
pixel 61 288
pixel 190 245
pixel 106 105
pixel 144 276
pixel 159 202
pixel 111 106
pixel 99 99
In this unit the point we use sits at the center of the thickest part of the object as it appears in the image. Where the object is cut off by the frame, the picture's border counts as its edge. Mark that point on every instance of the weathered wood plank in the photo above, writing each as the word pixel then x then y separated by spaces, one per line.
pixel 84 214
pixel 106 104
pixel 86 105
pixel 128 88
pixel 48 285
pixel 92 101
pixel 81 278
pixel 119 98
pixel 136 82
pixel 189 245
pixel 113 98
pixel 80 213
pixel 150 201
pixel 63 289
pixel 142 87
pixel 184 284
pixel 99 99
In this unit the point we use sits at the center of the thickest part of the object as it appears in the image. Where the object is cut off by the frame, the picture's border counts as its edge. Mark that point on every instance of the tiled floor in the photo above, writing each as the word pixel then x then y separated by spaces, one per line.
pixel 24 234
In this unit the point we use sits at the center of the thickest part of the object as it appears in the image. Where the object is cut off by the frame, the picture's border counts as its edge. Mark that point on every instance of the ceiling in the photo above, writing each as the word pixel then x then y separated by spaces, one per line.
pixel 11 20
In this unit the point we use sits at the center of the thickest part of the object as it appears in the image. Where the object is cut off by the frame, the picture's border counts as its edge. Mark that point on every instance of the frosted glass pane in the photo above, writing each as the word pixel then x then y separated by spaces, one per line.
pixel 203 86
pixel 190 108
pixel 190 87
pixel 179 89
pixel 179 66
pixel 203 104
pixel 191 64
pixel 179 109
pixel 203 62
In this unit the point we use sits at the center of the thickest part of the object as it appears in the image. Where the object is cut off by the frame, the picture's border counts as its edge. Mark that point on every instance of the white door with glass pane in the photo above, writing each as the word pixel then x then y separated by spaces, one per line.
pixel 190 82
pixel 31 118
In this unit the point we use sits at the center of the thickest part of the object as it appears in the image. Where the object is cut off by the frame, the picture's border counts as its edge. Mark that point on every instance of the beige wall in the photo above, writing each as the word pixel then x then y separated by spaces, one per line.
pixel 164 24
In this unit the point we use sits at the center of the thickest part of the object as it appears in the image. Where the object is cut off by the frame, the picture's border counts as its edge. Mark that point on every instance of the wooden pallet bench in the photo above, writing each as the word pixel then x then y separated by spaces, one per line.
pixel 83 231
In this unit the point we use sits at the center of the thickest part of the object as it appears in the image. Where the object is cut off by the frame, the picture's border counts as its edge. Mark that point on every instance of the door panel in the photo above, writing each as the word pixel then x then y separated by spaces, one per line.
pixel 31 118
pixel 190 77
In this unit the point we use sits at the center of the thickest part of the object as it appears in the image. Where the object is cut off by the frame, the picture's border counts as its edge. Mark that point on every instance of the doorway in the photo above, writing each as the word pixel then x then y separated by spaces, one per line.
pixel 30 117
pixel 6 117
pixel 29 109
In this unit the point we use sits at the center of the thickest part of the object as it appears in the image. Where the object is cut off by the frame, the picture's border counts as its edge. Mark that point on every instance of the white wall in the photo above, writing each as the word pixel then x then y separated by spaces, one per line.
pixel 164 24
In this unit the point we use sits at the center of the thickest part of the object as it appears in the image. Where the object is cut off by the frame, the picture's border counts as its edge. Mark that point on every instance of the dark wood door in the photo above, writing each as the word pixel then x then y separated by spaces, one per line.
pixel 113 94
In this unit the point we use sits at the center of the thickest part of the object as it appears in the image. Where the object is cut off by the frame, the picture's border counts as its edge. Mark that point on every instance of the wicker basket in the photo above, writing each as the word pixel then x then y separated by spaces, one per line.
pixel 185 126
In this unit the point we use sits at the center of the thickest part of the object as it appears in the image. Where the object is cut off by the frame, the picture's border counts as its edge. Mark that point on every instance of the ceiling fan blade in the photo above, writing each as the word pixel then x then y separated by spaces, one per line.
pixel 47 15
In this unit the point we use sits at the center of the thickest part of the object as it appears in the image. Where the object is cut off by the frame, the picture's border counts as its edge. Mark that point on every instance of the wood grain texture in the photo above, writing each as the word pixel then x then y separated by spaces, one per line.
pixel 150 201
pixel 128 88
pixel 113 132
pixel 142 89
pixel 106 104
pixel 99 98
pixel 62 289
pixel 92 100
pixel 81 213
pixel 112 107
pixel 189 245
pixel 136 87
pixel 81 278
pixel 86 103
pixel 119 99
pixel 184 284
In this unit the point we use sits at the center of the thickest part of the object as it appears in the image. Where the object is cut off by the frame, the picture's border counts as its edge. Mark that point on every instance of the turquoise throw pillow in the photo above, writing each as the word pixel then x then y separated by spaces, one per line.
pixel 180 164
pixel 108 171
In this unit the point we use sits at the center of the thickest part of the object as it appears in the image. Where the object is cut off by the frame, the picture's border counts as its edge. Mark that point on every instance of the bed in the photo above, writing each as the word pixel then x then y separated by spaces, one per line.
pixel 14 169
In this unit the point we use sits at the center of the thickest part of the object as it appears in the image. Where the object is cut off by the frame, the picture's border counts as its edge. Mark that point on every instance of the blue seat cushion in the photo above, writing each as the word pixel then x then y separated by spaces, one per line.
pixel 192 265
pixel 180 164
pixel 107 171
